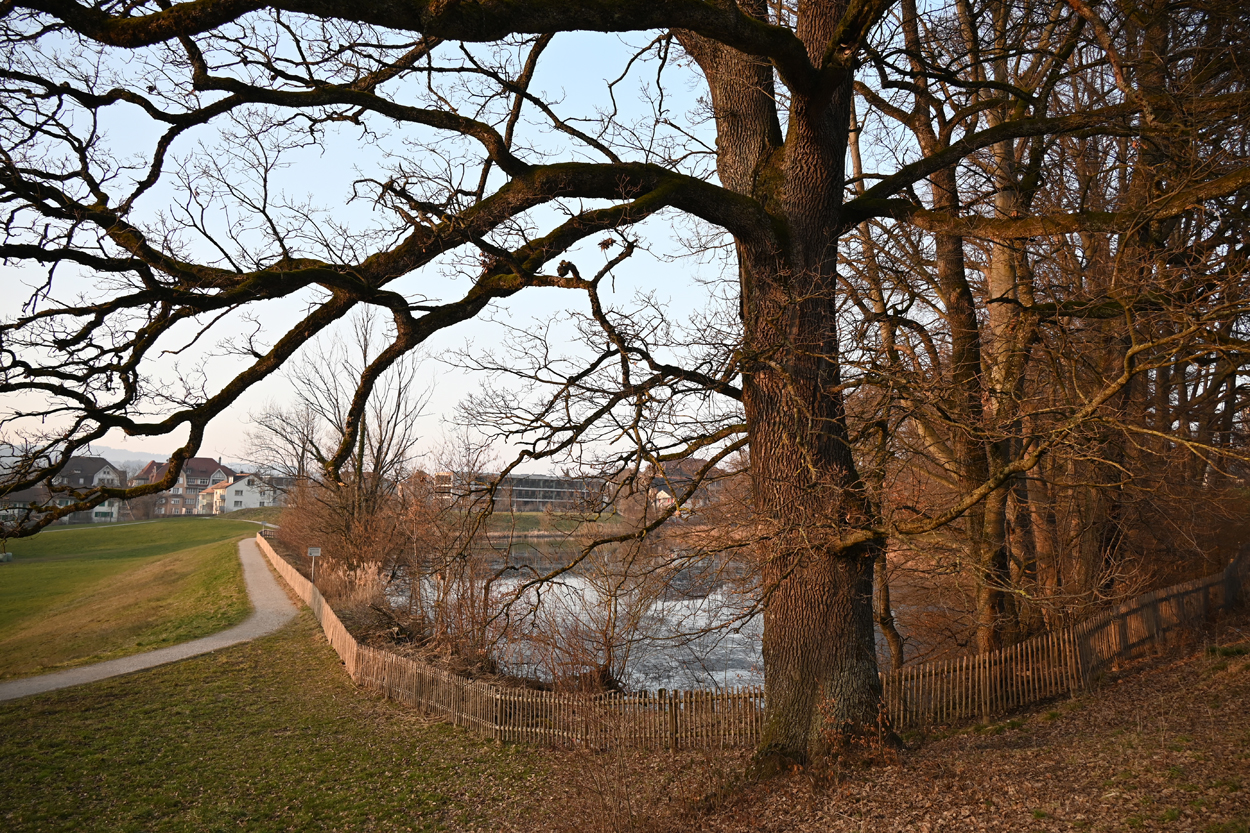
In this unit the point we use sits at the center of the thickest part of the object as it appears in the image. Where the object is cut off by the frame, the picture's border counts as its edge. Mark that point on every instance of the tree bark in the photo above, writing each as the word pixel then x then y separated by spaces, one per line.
pixel 820 666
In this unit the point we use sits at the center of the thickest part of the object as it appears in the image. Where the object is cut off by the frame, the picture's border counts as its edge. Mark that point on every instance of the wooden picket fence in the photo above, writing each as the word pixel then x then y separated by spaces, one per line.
pixel 933 693
pixel 663 719
pixel 1060 663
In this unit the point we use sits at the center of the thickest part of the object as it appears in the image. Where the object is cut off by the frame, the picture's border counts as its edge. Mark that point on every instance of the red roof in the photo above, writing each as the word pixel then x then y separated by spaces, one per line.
pixel 194 467
pixel 148 472
pixel 204 466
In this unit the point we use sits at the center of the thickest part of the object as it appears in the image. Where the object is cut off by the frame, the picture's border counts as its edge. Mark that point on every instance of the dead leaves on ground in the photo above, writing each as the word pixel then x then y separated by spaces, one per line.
pixel 1166 746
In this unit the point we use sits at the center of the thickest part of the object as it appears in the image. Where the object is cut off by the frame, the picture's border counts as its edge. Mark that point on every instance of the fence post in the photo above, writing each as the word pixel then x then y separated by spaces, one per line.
pixel 672 719
pixel 1070 646
pixel 662 709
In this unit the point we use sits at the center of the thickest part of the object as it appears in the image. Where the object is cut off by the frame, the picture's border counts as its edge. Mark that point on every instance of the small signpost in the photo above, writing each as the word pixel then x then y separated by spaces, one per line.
pixel 313 552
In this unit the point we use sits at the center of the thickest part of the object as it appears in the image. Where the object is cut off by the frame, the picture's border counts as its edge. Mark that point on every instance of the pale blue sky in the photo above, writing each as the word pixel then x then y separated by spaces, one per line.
pixel 574 71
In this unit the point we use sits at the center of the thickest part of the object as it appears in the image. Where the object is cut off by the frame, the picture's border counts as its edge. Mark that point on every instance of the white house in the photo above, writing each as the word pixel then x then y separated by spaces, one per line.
pixel 85 472
pixel 79 475
pixel 242 491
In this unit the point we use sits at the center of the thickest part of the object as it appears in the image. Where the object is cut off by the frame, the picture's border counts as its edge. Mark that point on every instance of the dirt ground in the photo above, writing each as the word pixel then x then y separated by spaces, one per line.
pixel 1164 745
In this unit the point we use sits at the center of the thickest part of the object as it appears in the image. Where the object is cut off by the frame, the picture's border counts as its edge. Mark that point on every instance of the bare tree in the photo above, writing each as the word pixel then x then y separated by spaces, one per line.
pixel 763 176
pixel 358 516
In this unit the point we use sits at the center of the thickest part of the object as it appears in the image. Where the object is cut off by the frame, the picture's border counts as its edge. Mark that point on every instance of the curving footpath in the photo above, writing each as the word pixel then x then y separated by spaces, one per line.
pixel 271 609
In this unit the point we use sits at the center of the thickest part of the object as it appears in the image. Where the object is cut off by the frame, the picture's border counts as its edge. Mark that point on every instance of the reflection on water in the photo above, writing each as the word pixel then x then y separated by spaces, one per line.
pixel 656 623
pixel 668 641
pixel 671 628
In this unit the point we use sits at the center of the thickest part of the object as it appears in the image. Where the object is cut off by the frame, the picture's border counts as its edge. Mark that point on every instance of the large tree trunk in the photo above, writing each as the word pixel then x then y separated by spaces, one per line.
pixel 819 659
pixel 821 683
pixel 820 666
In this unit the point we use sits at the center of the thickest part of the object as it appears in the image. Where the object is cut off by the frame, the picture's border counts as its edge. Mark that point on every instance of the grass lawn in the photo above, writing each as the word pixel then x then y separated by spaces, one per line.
pixel 127 540
pixel 75 596
pixel 266 736
pixel 268 514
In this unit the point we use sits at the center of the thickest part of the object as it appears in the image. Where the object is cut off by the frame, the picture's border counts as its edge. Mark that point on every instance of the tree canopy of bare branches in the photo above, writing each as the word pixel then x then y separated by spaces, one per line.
pixel 1044 214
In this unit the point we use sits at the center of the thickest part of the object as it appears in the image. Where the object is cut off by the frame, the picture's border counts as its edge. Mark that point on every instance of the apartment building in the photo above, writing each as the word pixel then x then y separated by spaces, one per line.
pixel 526 492
pixel 198 474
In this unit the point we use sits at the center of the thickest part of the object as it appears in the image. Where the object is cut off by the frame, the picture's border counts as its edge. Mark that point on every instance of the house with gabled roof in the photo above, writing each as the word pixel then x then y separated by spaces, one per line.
pixel 86 472
pixel 242 491
pixel 79 474
pixel 206 504
pixel 198 474
pixel 691 482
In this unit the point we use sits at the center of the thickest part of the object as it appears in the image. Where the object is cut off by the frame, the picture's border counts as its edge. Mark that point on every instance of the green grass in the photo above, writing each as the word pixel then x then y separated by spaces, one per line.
pixel 1241 824
pixel 268 514
pixel 78 596
pixel 521 523
pixel 266 736
pixel 1229 650
pixel 137 540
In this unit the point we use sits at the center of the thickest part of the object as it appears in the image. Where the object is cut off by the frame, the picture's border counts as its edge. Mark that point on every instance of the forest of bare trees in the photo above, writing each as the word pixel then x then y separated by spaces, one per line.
pixel 977 320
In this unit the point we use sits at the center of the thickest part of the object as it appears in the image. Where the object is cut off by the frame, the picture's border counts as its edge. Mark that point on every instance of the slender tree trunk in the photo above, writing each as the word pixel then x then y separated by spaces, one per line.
pixel 995 611
pixel 885 613
pixel 1045 540
pixel 1024 558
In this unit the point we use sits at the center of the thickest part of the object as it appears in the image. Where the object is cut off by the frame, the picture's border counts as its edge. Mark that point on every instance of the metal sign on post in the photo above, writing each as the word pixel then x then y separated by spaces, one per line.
pixel 313 552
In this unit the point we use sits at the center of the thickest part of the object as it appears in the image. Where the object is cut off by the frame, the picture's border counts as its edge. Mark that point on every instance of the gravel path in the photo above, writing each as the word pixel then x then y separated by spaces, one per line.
pixel 271 609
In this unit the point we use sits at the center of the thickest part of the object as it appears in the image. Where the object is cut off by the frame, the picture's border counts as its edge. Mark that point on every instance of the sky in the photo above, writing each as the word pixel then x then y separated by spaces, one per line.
pixel 573 72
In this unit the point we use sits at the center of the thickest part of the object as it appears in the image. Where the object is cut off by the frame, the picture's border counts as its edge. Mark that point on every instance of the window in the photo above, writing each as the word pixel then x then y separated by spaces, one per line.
pixel 160 510
pixel 238 503
pixel 104 514
pixel 238 492
pixel 175 500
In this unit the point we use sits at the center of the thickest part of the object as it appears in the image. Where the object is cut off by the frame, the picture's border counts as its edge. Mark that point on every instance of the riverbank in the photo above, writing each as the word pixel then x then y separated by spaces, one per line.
pixel 271 735
pixel 1165 745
